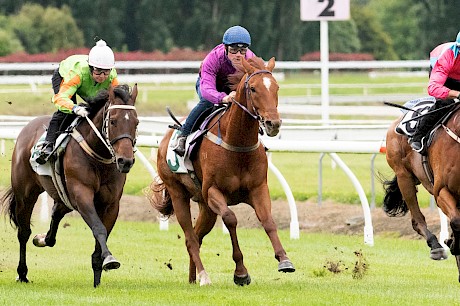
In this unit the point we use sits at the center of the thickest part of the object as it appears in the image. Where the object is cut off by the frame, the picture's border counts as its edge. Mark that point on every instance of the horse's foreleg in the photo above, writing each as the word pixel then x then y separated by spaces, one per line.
pixel 49 239
pixel 96 264
pixel 261 202
pixel 217 203
pixel 448 204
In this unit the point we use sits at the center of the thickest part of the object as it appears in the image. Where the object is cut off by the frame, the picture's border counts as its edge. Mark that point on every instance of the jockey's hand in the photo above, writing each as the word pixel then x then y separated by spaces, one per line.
pixel 80 111
pixel 228 99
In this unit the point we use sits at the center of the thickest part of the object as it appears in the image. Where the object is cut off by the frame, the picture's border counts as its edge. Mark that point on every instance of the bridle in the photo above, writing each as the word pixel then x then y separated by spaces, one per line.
pixel 255 114
pixel 104 135
pixel 217 139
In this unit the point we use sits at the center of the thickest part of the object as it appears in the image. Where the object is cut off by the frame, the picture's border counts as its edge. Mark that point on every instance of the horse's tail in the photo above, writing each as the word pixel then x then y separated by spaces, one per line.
pixel 10 198
pixel 159 197
pixel 393 203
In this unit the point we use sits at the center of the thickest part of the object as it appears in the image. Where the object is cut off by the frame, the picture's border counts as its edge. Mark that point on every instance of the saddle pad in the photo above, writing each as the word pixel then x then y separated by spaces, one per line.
pixel 418 107
pixel 175 162
pixel 34 153
pixel 46 168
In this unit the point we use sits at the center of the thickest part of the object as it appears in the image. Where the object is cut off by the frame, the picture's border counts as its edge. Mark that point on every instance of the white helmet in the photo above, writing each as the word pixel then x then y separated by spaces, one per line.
pixel 101 56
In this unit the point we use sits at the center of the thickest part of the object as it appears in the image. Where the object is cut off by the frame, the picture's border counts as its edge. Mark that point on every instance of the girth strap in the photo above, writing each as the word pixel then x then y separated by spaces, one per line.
pixel 219 141
pixel 84 145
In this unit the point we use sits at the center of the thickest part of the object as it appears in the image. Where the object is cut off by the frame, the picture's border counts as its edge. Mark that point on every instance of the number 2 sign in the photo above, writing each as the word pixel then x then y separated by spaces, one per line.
pixel 311 10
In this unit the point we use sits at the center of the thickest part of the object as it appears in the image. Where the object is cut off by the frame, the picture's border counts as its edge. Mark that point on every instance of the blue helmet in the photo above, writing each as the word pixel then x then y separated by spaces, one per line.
pixel 236 35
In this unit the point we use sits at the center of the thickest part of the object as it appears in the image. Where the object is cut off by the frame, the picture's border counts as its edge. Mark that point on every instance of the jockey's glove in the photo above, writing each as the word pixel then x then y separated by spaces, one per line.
pixel 80 111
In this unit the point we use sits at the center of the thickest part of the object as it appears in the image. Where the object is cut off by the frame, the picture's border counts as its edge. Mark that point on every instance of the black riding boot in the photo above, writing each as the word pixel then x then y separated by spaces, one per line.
pixel 51 136
pixel 179 148
pixel 424 126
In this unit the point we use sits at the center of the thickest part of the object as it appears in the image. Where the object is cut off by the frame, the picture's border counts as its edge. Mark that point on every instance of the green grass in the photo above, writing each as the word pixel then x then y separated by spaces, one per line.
pixel 399 270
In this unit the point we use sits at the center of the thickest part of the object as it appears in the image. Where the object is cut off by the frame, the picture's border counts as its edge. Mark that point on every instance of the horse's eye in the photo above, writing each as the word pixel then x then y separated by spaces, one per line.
pixel 113 122
pixel 253 89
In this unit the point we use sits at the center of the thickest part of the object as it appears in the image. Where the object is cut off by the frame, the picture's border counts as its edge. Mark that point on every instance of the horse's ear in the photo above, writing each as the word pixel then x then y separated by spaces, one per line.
pixel 134 93
pixel 247 67
pixel 271 64
pixel 111 93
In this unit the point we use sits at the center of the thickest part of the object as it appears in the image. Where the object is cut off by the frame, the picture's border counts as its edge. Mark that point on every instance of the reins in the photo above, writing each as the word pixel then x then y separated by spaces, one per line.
pixel 104 139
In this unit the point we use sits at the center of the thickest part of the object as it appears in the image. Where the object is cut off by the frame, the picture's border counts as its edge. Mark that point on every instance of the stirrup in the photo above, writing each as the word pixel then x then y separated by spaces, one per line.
pixel 45 153
pixel 179 148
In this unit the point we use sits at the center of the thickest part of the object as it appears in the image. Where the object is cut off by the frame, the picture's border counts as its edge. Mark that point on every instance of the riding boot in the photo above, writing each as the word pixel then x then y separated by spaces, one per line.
pixel 51 136
pixel 424 126
pixel 179 148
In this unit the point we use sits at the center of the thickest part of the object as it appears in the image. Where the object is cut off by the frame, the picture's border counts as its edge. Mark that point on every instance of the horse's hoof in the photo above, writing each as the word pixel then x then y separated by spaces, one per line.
pixel 110 263
pixel 22 279
pixel 39 240
pixel 438 254
pixel 286 266
pixel 242 280
pixel 204 279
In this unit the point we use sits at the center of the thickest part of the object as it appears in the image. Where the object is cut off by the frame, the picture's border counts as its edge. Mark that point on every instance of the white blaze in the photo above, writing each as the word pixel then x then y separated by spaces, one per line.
pixel 267 83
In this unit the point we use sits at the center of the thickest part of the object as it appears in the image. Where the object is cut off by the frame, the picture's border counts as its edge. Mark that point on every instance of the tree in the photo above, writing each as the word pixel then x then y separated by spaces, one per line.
pixel 8 41
pixel 46 29
pixel 373 38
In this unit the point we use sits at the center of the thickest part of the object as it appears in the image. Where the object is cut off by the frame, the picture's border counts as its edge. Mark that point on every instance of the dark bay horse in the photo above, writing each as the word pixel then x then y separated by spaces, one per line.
pixel 94 173
pixel 401 191
pixel 231 173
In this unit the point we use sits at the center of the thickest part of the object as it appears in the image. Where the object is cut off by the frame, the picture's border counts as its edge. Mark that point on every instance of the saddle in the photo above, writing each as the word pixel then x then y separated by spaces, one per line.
pixel 53 167
pixel 179 164
pixel 408 125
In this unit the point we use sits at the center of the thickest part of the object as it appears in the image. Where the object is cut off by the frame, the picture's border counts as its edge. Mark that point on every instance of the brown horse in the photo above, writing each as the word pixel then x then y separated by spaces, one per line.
pixel 230 173
pixel 401 192
pixel 94 176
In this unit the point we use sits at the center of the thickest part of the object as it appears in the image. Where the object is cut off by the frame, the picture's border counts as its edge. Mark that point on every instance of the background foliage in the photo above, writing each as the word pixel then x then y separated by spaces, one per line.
pixel 388 30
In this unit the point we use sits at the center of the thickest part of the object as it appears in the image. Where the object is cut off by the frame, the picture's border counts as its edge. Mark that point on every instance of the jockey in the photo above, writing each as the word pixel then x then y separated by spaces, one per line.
pixel 211 85
pixel 84 75
pixel 444 84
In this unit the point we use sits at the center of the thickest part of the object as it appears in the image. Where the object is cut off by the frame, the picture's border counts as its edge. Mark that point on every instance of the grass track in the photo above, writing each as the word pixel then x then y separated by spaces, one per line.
pixel 400 271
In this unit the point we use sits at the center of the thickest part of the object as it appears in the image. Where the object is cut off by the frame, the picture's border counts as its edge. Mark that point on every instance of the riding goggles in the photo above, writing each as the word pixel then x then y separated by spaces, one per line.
pixel 234 49
pixel 99 71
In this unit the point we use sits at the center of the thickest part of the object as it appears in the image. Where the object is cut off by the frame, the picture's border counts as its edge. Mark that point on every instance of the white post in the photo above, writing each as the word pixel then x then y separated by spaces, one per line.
pixel 324 44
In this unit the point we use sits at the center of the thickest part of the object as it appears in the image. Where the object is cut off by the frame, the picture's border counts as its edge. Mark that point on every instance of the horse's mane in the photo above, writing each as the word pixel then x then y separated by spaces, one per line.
pixel 235 78
pixel 97 102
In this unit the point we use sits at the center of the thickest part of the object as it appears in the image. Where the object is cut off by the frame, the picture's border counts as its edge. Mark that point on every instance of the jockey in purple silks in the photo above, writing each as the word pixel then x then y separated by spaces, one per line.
pixel 211 85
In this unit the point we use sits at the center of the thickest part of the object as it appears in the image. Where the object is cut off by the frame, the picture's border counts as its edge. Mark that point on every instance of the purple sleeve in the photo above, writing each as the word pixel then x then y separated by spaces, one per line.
pixel 216 61
pixel 208 85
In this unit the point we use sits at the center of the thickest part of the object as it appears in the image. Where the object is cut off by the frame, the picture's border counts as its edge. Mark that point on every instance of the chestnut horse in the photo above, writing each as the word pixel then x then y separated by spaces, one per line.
pixel 230 173
pixel 94 176
pixel 401 192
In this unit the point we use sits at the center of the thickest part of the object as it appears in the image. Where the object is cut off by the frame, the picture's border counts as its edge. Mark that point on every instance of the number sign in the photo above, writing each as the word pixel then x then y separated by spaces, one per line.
pixel 311 10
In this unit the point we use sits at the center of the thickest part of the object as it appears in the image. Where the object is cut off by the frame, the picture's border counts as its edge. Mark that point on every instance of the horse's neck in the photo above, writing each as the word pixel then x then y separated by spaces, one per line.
pixel 90 135
pixel 240 129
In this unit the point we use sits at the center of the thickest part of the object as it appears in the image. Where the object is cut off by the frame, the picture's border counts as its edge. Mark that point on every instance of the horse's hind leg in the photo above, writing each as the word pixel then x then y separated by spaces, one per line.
pixel 262 206
pixel 49 239
pixel 23 207
pixel 409 193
